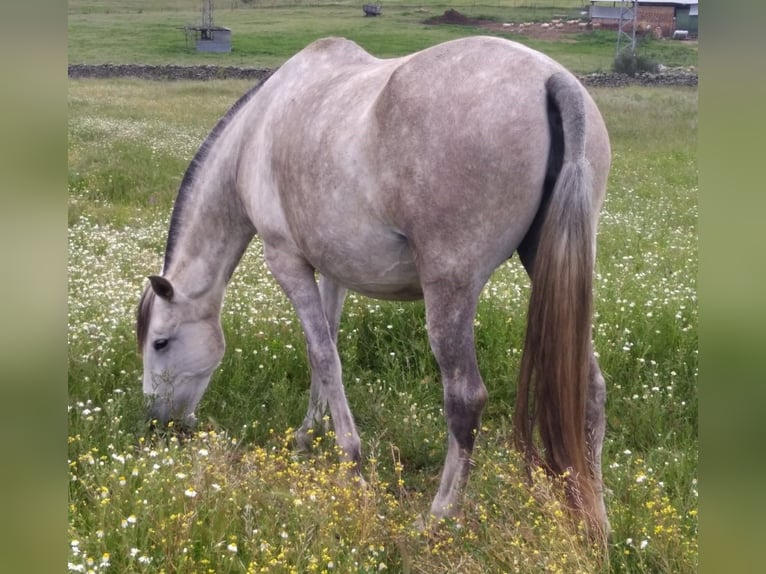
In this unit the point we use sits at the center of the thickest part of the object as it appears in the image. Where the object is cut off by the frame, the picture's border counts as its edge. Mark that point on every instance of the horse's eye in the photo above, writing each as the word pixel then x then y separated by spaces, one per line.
pixel 160 344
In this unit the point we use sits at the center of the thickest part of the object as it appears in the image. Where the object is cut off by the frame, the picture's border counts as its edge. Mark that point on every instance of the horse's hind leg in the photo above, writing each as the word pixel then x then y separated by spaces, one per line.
pixel 595 426
pixel 450 314
pixel 297 280
pixel 332 296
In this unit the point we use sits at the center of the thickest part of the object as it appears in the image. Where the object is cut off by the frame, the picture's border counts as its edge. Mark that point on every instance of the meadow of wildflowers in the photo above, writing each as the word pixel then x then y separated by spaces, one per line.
pixel 235 497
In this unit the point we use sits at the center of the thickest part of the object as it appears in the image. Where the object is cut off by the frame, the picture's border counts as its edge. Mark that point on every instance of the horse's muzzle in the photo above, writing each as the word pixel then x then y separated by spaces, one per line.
pixel 160 414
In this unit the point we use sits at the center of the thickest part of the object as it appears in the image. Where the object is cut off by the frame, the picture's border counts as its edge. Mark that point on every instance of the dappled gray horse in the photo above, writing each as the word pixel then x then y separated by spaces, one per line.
pixel 399 179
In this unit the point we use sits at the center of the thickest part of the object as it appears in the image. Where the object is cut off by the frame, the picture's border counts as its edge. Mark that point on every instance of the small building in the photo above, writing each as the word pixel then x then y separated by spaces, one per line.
pixel 663 18
pixel 688 19
pixel 214 39
pixel 207 36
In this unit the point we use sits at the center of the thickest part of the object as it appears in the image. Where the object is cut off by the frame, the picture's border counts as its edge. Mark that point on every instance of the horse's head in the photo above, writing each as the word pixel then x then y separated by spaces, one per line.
pixel 182 343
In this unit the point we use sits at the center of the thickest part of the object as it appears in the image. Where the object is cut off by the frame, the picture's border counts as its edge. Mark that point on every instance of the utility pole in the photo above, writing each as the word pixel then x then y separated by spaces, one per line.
pixel 626 39
pixel 207 14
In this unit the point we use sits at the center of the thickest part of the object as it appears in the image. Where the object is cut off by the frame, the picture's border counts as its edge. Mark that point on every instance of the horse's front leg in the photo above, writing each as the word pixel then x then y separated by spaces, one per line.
pixel 296 278
pixel 332 296
pixel 450 311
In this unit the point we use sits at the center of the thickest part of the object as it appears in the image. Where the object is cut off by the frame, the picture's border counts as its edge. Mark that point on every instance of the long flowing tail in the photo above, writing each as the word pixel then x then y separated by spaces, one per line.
pixel 555 363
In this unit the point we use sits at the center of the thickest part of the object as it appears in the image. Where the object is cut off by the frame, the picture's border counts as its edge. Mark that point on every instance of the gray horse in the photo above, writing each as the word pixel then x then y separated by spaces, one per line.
pixel 399 179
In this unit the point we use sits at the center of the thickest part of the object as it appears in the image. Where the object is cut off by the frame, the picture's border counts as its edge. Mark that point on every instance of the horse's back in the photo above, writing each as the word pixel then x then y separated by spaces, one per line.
pixel 442 153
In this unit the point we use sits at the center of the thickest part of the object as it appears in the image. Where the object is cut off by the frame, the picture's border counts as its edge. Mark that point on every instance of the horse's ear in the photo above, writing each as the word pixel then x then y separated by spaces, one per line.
pixel 162 287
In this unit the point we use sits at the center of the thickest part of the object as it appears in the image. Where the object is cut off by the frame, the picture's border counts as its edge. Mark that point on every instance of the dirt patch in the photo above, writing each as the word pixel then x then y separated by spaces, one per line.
pixel 556 29
pixel 451 17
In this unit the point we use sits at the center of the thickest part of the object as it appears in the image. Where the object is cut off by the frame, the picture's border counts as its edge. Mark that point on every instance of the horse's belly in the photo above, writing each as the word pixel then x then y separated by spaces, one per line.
pixel 384 289
pixel 379 266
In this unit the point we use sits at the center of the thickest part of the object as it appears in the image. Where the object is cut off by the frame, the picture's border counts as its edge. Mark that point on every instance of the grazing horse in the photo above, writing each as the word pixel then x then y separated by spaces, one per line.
pixel 400 179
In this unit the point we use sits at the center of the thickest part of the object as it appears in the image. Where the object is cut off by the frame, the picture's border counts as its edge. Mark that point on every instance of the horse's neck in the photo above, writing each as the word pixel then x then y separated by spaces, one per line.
pixel 213 229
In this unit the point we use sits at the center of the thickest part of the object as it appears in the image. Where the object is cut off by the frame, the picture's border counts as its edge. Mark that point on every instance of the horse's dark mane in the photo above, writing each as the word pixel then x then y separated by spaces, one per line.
pixel 144 310
pixel 196 162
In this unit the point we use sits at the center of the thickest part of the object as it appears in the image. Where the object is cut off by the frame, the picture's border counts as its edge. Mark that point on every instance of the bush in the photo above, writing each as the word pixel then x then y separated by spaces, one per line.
pixel 632 64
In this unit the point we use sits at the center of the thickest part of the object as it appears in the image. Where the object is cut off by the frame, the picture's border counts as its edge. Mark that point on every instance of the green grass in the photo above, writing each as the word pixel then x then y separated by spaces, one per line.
pixel 235 496
pixel 265 34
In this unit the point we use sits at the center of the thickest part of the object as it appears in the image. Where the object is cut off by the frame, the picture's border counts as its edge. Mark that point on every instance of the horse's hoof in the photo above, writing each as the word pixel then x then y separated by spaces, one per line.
pixel 304 441
pixel 358 480
pixel 427 524
pixel 419 525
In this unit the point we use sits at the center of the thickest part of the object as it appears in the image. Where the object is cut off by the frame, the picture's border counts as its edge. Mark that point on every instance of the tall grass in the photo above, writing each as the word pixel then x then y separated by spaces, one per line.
pixel 235 498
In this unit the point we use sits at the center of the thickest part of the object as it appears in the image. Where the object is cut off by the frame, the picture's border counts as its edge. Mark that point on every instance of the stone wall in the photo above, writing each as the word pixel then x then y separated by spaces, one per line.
pixel 671 77
pixel 170 72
